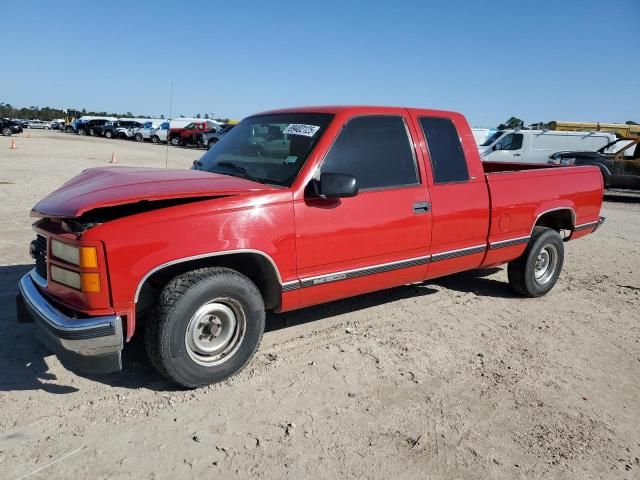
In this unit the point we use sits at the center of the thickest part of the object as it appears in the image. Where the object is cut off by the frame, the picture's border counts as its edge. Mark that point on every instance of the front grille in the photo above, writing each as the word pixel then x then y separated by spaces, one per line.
pixel 39 253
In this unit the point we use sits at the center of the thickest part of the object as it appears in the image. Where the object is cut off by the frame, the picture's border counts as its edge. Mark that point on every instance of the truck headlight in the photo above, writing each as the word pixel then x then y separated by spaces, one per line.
pixel 85 257
pixel 66 277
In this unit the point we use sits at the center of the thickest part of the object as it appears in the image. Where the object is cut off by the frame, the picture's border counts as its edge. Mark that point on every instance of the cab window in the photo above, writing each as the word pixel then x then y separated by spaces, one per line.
pixel 375 149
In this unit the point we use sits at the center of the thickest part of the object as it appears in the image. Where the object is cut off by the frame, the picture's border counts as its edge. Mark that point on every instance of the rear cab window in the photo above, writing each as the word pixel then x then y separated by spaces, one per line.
pixel 448 161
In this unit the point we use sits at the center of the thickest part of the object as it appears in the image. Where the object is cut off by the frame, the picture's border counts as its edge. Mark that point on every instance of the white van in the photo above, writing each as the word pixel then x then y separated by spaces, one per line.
pixel 537 146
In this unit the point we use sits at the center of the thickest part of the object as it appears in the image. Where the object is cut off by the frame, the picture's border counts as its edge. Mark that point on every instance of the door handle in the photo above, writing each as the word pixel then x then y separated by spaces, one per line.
pixel 421 207
pixel 517 155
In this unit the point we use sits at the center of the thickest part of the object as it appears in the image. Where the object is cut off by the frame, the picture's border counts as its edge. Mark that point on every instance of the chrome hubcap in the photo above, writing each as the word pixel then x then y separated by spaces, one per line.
pixel 215 331
pixel 546 264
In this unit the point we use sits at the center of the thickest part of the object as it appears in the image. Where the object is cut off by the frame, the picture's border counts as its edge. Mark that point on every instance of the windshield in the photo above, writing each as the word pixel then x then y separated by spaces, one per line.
pixel 617 146
pixel 268 148
pixel 492 138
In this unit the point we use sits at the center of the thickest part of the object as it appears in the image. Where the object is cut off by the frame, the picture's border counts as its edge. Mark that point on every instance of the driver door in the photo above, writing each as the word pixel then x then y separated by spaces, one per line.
pixel 380 237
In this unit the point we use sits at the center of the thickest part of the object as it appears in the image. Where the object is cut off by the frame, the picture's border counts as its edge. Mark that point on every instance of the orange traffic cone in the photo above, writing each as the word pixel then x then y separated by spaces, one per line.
pixel 28 132
pixel 13 144
pixel 114 159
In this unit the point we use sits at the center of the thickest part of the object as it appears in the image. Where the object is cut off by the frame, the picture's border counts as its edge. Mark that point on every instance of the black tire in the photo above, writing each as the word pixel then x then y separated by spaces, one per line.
pixel 108 134
pixel 175 141
pixel 211 143
pixel 179 312
pixel 155 139
pixel 6 132
pixel 82 131
pixel 139 137
pixel 536 272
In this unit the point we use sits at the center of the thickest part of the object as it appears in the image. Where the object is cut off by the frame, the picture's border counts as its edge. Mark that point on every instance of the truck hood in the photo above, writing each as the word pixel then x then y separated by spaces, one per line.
pixel 112 186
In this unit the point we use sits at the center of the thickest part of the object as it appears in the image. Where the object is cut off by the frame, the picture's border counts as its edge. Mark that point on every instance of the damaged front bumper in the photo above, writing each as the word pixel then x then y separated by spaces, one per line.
pixel 90 344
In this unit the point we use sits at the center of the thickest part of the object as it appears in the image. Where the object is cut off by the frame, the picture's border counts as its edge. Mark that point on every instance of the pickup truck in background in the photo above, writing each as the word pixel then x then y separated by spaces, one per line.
pixel 189 134
pixel 291 208
pixel 618 161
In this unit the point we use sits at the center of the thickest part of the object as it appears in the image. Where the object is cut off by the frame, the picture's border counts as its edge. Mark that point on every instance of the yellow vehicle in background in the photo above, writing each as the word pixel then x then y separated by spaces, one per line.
pixel 622 130
pixel 70 116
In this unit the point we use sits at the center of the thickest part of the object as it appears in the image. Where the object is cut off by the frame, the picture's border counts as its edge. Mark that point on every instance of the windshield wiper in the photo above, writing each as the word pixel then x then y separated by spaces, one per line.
pixel 244 173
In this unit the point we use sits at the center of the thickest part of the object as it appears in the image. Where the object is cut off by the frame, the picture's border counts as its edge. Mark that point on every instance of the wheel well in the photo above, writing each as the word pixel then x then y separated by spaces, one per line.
pixel 557 219
pixel 253 265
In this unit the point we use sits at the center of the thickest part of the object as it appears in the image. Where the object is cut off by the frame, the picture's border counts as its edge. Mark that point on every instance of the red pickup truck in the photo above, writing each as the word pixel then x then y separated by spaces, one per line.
pixel 291 208
pixel 190 134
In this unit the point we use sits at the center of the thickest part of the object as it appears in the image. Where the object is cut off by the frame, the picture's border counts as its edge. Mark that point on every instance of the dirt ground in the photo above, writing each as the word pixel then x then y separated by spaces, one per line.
pixel 454 378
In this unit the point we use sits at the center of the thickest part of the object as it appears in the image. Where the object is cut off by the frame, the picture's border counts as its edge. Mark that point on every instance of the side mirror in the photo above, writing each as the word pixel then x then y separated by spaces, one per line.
pixel 497 146
pixel 336 185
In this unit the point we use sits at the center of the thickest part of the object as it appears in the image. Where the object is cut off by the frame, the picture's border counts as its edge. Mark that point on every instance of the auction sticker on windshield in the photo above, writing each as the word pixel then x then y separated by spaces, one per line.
pixel 301 129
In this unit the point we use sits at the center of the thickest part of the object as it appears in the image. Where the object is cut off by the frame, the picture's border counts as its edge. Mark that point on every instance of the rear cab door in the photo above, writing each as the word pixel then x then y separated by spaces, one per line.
pixel 458 189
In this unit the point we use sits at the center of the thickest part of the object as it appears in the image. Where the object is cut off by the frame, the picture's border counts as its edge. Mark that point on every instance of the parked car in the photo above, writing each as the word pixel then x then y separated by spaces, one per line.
pixel 618 161
pixel 128 131
pixel 536 146
pixel 93 127
pixel 209 139
pixel 188 135
pixel 38 124
pixel 159 135
pixel 345 201
pixel 144 132
pixel 117 128
pixel 9 127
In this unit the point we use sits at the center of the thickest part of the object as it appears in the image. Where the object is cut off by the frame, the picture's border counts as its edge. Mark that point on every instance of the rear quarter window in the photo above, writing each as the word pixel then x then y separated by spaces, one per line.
pixel 445 150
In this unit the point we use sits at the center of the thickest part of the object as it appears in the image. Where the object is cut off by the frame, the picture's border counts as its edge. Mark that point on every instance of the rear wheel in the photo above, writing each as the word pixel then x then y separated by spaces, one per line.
pixel 537 270
pixel 206 326
pixel 211 143
pixel 175 141
pixel 155 139
pixel 139 137
pixel 82 131
pixel 108 134
pixel 6 132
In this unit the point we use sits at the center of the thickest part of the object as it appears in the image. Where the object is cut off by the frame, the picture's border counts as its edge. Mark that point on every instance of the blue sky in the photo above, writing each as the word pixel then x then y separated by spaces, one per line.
pixel 540 61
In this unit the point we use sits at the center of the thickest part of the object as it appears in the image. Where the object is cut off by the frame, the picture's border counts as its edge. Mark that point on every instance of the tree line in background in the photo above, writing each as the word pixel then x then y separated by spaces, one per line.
pixel 47 113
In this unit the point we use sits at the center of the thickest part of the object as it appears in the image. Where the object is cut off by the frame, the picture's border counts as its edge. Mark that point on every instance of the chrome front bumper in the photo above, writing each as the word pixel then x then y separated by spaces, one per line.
pixel 91 344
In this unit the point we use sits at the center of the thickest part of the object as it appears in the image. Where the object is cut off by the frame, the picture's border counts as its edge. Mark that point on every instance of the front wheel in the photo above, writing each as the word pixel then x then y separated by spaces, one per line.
pixel 155 139
pixel 82 132
pixel 206 326
pixel 212 143
pixel 6 132
pixel 537 270
pixel 175 141
pixel 108 134
pixel 139 137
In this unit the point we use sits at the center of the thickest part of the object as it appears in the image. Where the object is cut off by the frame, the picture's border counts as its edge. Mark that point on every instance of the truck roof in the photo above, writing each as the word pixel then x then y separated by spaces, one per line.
pixel 356 108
